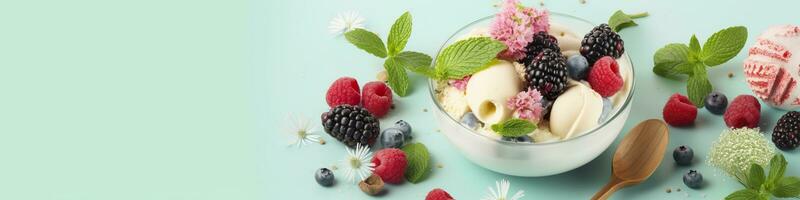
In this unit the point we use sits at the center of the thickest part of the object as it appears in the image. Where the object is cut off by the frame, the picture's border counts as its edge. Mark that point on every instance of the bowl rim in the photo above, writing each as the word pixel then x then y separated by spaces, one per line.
pixel 617 112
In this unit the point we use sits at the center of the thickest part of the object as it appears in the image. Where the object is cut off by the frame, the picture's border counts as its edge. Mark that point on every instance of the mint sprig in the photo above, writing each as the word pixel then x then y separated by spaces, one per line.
pixel 397 61
pixel 761 187
pixel 463 58
pixel 675 60
pixel 514 128
pixel 418 159
pixel 620 20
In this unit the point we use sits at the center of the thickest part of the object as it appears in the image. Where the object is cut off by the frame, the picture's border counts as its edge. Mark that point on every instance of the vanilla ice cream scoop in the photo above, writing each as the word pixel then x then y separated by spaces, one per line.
pixel 488 91
pixel 575 111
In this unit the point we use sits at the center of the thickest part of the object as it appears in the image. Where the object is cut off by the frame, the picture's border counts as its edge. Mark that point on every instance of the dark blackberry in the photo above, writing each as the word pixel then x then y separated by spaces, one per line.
pixel 547 73
pixel 601 41
pixel 786 134
pixel 351 125
pixel 541 40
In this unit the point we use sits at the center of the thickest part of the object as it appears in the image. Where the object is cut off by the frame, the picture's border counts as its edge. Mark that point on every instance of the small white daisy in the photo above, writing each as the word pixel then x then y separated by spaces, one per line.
pixel 358 162
pixel 346 21
pixel 301 132
pixel 502 192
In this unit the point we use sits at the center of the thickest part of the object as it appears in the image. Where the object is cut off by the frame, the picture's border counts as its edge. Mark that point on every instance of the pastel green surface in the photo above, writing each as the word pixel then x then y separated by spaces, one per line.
pixel 188 99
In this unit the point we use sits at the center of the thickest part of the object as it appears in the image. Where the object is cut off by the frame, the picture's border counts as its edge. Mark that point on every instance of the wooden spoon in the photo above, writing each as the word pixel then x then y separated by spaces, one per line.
pixel 637 156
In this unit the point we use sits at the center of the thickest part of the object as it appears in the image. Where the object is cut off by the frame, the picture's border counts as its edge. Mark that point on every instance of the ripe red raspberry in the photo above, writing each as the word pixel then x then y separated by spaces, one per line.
pixel 438 194
pixel 744 111
pixel 377 98
pixel 679 111
pixel 344 90
pixel 390 164
pixel 604 77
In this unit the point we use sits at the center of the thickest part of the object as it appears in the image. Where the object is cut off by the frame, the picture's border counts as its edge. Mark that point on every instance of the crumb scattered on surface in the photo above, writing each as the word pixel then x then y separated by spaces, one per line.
pixel 541 3
pixel 438 130
pixel 730 74
pixel 669 190
pixel 333 167
pixel 322 141
pixel 424 110
pixel 392 107
pixel 583 1
pixel 678 189
pixel 382 76
pixel 439 165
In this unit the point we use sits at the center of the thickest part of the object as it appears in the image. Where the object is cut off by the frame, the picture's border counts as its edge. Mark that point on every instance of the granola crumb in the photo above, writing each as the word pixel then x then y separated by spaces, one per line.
pixel 439 165
pixel 583 1
pixel 322 141
pixel 424 110
pixel 678 189
pixel 730 74
pixel 669 190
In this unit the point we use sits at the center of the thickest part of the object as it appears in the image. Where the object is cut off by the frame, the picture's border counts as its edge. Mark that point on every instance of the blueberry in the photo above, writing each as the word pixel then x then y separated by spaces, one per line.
pixel 606 110
pixel 324 177
pixel 392 138
pixel 405 127
pixel 683 155
pixel 693 179
pixel 577 67
pixel 470 120
pixel 716 103
pixel 523 138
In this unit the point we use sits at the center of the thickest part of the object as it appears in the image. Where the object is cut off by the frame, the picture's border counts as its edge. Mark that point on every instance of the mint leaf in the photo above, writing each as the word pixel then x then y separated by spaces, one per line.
pixel 398 79
pixel 777 167
pixel 416 62
pixel 724 45
pixel 368 41
pixel 756 177
pixel 467 57
pixel 694 50
pixel 698 86
pixel 620 20
pixel 787 187
pixel 399 34
pixel 514 128
pixel 744 194
pixel 666 59
pixel 418 158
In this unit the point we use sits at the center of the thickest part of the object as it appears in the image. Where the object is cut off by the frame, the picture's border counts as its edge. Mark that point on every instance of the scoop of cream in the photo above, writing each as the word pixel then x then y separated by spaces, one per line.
pixel 488 91
pixel 575 111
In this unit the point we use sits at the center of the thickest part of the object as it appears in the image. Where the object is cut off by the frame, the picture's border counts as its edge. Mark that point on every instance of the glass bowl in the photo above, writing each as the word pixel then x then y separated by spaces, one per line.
pixel 536 159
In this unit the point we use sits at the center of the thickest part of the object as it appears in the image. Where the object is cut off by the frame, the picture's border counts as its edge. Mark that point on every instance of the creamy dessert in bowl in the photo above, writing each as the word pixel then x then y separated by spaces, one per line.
pixel 574 121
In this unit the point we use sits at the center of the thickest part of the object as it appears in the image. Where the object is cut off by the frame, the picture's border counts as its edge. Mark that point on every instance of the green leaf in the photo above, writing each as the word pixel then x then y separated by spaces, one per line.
pixel 398 79
pixel 698 86
pixel 787 187
pixel 666 59
pixel 777 167
pixel 418 158
pixel 620 20
pixel 368 41
pixel 694 50
pixel 744 194
pixel 514 128
pixel 756 177
pixel 416 62
pixel 399 34
pixel 724 45
pixel 467 57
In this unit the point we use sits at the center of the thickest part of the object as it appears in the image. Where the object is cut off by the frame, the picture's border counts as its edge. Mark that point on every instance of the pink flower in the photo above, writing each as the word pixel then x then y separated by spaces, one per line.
pixel 527 105
pixel 460 84
pixel 515 25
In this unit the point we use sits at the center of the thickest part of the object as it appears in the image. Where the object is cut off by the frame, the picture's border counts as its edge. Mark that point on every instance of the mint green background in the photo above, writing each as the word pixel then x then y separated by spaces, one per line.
pixel 187 99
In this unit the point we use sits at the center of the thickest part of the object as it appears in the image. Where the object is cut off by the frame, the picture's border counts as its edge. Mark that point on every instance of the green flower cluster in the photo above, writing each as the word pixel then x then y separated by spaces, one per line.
pixel 737 149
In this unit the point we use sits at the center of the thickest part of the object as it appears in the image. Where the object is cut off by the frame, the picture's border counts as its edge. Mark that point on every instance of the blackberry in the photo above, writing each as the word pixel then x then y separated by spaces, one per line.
pixel 547 73
pixel 541 40
pixel 786 134
pixel 601 41
pixel 351 125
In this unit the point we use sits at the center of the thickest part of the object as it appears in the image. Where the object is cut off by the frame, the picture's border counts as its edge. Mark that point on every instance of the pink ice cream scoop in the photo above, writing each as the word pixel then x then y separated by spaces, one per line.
pixel 771 69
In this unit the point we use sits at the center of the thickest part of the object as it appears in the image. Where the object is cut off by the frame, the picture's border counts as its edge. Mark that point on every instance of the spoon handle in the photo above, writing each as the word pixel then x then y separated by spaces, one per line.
pixel 609 189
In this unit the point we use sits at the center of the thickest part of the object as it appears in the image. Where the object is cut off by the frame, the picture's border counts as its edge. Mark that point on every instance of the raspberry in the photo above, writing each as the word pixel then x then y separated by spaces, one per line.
pixel 390 164
pixel 604 77
pixel 343 91
pixel 438 194
pixel 377 98
pixel 744 111
pixel 679 111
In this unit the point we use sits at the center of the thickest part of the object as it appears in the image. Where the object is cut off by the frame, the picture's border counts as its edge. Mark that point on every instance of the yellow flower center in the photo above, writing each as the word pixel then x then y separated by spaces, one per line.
pixel 355 163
